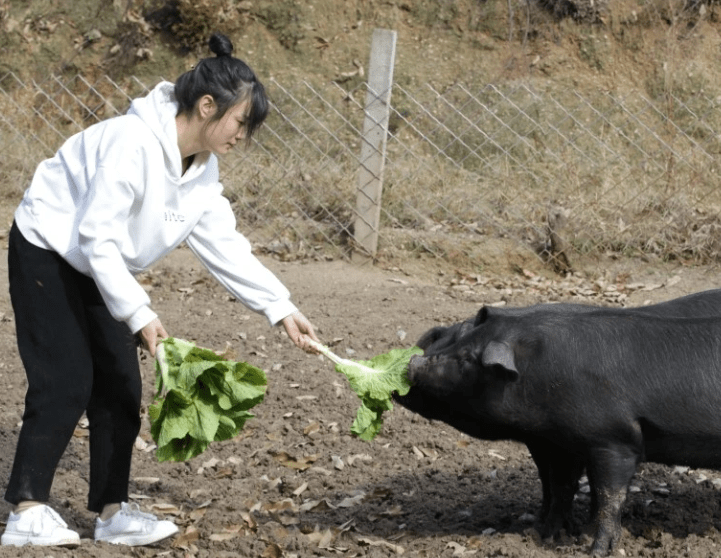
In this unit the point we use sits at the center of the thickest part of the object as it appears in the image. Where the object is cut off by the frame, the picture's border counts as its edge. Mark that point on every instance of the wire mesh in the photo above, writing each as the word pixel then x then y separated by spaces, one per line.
pixel 598 172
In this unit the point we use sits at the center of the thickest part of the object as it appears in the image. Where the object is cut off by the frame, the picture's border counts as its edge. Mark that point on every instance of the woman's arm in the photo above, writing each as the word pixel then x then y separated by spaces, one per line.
pixel 227 255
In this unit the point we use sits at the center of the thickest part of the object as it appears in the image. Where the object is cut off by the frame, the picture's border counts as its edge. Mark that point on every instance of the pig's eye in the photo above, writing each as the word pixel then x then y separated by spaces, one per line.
pixel 468 365
pixel 470 355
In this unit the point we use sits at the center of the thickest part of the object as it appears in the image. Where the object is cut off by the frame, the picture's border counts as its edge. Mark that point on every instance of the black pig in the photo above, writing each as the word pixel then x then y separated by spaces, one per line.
pixel 582 386
pixel 560 471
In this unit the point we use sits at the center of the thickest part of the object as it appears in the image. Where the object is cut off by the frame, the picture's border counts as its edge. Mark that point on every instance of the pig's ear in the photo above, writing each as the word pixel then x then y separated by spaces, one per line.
pixel 466 327
pixel 500 354
pixel 430 337
pixel 481 316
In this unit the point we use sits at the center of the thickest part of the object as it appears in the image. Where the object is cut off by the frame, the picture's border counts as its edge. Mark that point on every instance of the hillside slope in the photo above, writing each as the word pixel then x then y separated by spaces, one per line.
pixel 632 45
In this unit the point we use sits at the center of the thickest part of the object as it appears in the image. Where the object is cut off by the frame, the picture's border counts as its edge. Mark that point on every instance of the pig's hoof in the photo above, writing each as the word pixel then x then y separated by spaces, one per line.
pixel 599 549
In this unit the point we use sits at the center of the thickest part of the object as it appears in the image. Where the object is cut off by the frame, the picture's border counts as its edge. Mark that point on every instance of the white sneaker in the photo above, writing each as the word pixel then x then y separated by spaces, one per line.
pixel 39 525
pixel 132 527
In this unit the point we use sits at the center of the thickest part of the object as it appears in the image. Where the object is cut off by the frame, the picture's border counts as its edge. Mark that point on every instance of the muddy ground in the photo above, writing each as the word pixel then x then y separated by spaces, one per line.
pixel 295 483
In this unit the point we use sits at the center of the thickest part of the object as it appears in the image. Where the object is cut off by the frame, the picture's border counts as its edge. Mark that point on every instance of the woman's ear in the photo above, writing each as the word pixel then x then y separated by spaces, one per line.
pixel 206 107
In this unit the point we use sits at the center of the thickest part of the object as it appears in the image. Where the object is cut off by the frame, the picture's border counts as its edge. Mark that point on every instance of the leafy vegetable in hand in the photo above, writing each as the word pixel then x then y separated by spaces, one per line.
pixel 201 398
pixel 374 381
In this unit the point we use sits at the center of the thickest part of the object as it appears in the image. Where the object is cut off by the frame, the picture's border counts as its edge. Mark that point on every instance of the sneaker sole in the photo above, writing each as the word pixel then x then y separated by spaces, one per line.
pixel 11 540
pixel 136 540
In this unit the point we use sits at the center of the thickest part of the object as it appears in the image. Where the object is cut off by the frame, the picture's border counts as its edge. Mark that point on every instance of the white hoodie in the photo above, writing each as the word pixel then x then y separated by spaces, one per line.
pixel 113 201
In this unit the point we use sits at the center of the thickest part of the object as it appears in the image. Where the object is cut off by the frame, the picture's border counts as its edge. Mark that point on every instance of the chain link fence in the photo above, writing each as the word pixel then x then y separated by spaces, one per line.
pixel 560 172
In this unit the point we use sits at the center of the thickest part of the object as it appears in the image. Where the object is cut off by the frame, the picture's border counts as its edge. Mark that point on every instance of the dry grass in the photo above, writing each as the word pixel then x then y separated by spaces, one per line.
pixel 623 190
pixel 633 171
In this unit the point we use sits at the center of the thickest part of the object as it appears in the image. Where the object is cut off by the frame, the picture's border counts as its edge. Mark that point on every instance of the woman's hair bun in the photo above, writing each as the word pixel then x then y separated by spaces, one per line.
pixel 220 45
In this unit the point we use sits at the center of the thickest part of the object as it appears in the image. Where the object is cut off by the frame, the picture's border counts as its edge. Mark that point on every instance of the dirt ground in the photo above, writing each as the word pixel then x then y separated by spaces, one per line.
pixel 295 483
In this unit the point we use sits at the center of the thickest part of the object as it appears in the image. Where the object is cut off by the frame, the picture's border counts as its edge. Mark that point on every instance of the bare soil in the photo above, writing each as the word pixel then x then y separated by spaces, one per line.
pixel 296 483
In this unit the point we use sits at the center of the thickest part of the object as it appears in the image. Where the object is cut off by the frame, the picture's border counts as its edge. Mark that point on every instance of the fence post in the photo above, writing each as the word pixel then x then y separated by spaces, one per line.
pixel 373 144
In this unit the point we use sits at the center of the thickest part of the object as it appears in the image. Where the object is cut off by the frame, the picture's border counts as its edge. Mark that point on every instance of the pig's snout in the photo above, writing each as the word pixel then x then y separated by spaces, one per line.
pixel 435 373
pixel 416 365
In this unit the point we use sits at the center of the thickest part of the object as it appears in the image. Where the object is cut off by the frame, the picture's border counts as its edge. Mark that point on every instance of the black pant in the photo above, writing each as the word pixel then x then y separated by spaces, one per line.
pixel 77 359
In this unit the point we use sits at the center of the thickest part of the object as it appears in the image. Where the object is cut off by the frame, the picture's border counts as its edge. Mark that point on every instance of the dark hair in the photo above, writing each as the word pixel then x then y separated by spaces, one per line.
pixel 228 80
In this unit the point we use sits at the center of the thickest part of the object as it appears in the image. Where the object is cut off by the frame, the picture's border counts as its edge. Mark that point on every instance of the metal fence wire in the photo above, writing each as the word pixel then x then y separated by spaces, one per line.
pixel 562 173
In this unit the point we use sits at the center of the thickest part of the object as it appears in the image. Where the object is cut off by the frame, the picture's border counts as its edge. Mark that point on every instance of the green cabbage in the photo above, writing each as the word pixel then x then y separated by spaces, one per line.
pixel 201 398
pixel 374 381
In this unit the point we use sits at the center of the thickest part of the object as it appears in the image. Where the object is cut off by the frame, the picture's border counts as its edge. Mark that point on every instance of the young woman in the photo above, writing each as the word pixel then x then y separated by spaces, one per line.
pixel 115 199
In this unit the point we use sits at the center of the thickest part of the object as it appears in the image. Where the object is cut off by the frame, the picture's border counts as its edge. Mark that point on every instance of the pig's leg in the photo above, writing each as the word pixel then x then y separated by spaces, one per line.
pixel 539 453
pixel 559 471
pixel 610 470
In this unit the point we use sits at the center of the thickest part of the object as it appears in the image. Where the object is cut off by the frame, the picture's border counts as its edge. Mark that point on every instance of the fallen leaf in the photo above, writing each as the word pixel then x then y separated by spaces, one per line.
pixel 219 537
pixel 211 463
pixel 359 457
pixel 433 454
pixel 138 497
pixel 316 505
pixel 184 541
pixel 394 547
pixel 301 463
pixel 352 501
pixel 197 492
pixel 149 480
pixel 322 539
pixel 312 428
pixel 224 472
pixel 302 488
pixel 339 389
pixel 458 549
pixel 164 508
pixel 286 504
pixel 380 494
pixel 195 515
pixel 321 470
pixel 249 521
pixel 393 512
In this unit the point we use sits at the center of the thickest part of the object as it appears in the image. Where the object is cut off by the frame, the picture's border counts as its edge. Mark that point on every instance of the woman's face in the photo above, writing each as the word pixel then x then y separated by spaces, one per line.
pixel 222 135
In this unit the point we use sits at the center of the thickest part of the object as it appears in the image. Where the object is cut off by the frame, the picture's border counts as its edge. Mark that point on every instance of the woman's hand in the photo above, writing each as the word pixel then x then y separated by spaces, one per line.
pixel 300 331
pixel 151 335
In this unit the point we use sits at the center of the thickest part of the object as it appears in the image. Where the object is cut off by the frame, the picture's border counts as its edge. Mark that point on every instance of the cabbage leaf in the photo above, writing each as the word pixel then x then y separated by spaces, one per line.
pixel 200 398
pixel 374 381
